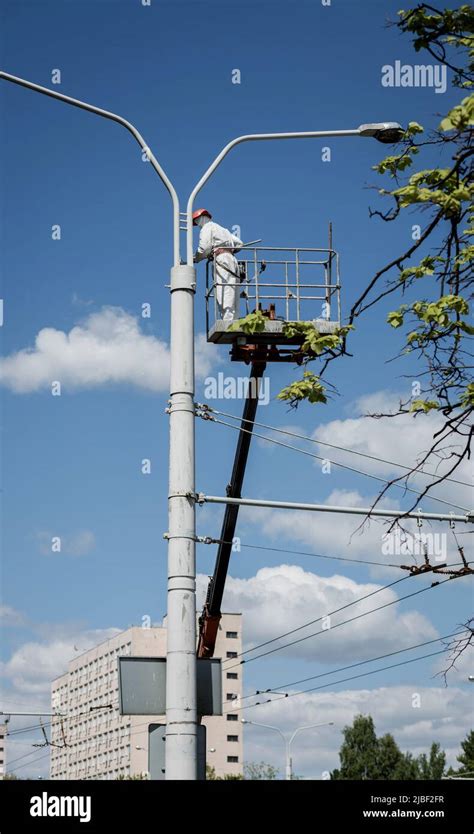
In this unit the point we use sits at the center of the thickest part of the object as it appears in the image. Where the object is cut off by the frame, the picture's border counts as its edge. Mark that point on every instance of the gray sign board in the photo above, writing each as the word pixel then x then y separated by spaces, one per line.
pixel 142 686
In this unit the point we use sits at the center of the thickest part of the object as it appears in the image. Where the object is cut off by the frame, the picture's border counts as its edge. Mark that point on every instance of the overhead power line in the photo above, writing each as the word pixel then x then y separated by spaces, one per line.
pixel 26 764
pixel 318 619
pixel 337 625
pixel 352 665
pixel 344 680
pixel 337 611
pixel 209 540
pixel 385 481
pixel 334 446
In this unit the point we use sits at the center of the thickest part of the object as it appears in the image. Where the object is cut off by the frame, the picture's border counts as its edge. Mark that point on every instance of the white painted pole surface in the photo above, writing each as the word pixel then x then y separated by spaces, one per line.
pixel 181 712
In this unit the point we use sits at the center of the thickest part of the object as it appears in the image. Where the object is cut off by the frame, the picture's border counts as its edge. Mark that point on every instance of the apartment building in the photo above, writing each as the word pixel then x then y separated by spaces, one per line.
pixel 93 741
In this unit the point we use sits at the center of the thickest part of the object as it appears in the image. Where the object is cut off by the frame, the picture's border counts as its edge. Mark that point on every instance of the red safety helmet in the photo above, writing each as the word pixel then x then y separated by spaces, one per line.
pixel 199 213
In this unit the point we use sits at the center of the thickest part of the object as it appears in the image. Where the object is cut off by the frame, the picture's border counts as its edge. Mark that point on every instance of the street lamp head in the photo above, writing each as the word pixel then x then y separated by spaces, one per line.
pixel 386 132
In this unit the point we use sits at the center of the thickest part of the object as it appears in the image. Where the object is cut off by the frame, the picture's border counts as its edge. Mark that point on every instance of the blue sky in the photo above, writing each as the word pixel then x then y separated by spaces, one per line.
pixel 71 464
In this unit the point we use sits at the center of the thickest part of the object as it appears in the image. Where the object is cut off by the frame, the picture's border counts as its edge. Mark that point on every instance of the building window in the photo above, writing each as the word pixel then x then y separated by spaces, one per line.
pixel 232 738
pixel 233 759
pixel 231 696
pixel 232 676
pixel 232 717
pixel 231 634
pixel 231 654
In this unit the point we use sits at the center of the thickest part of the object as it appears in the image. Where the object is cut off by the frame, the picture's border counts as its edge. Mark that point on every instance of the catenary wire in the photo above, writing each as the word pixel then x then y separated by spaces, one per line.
pixel 343 680
pixel 334 446
pixel 317 555
pixel 350 666
pixel 341 465
pixel 338 625
pixel 318 619
pixel 26 764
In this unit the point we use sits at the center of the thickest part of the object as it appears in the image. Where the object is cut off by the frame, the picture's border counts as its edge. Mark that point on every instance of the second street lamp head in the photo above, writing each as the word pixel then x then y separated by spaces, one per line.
pixel 386 132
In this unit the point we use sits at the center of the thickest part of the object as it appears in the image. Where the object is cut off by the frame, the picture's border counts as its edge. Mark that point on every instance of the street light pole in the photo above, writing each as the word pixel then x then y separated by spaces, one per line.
pixel 181 695
pixel 288 741
pixel 181 714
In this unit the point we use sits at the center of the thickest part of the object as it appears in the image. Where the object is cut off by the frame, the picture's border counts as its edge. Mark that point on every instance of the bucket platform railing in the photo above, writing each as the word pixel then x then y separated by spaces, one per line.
pixel 287 284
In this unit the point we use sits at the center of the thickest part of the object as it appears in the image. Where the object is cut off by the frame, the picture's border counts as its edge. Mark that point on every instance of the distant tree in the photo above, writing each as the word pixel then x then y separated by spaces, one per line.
pixel 358 753
pixel 11 776
pixel 227 777
pixel 466 758
pixel 364 756
pixel 410 768
pixel 391 763
pixel 261 771
pixel 432 767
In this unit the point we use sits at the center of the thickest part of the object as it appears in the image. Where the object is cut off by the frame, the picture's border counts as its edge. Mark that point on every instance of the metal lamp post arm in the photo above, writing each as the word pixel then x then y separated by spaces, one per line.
pixel 252 137
pixel 298 730
pixel 285 740
pixel 307 727
pixel 106 114
pixel 270 727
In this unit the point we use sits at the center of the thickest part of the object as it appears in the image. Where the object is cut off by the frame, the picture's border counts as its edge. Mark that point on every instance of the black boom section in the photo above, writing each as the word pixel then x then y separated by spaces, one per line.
pixel 211 614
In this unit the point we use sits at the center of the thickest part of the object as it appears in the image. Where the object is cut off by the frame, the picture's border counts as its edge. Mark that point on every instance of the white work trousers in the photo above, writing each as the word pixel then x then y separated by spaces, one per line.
pixel 227 282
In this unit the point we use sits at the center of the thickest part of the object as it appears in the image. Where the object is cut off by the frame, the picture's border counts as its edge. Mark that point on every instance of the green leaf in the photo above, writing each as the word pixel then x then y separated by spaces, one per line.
pixel 253 323
pixel 467 398
pixel 395 318
pixel 424 405
pixel 309 388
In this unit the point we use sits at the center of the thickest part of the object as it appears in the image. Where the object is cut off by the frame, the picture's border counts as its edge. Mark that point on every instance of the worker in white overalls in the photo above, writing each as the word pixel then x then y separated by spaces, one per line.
pixel 217 242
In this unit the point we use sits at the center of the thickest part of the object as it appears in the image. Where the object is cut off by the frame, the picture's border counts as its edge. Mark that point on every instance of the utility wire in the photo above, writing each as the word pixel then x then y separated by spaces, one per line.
pixel 318 619
pixel 337 611
pixel 405 488
pixel 318 555
pixel 24 756
pixel 26 764
pixel 26 729
pixel 344 622
pixel 351 666
pixel 334 446
pixel 344 680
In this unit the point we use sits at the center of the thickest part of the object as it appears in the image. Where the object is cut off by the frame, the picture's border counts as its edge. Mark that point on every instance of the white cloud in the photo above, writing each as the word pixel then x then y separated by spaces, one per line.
pixel 10 617
pixel 444 715
pixel 73 544
pixel 107 347
pixel 278 599
pixel 35 664
pixel 402 439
